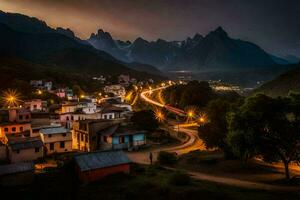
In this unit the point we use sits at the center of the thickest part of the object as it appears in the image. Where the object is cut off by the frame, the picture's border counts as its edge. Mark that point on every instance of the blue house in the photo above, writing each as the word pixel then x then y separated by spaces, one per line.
pixel 120 137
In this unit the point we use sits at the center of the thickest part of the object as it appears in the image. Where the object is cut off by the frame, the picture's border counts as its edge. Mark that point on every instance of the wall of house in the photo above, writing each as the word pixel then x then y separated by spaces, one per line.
pixel 3 152
pixel 25 155
pixel 57 148
pixel 19 128
pixel 94 175
pixel 17 179
pixel 78 143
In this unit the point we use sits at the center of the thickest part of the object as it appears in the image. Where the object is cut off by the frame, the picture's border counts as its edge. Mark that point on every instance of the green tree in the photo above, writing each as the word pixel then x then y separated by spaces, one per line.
pixel 145 120
pixel 214 132
pixel 273 126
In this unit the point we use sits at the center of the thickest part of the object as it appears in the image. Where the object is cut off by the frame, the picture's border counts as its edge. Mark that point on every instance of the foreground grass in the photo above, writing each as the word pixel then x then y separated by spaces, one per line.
pixel 144 182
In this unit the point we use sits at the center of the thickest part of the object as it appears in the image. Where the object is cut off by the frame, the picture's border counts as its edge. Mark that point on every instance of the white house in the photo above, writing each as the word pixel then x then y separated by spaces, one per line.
pixel 56 139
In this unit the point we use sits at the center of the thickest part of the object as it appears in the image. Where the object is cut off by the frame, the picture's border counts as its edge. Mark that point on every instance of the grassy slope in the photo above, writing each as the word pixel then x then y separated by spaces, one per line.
pixel 282 85
pixel 143 183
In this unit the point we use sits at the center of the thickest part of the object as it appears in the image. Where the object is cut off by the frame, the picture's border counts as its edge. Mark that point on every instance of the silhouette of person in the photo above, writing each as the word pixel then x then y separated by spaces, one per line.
pixel 151 157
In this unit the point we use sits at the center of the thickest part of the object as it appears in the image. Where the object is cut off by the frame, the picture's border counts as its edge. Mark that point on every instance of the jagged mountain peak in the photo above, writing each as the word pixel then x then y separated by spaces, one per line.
pixel 219 32
pixel 197 37
pixel 65 31
pixel 101 35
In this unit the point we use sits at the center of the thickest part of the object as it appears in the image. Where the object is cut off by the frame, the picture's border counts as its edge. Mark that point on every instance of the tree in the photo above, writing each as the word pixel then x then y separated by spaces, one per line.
pixel 145 120
pixel 274 126
pixel 214 132
pixel 77 90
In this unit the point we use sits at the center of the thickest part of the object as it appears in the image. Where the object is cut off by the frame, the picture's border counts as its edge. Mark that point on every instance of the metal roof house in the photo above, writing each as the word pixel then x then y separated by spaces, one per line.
pixel 120 137
pixel 56 139
pixel 96 165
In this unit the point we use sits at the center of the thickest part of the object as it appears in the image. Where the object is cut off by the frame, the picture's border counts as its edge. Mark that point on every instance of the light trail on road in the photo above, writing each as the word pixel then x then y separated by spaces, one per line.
pixel 147 99
pixel 194 142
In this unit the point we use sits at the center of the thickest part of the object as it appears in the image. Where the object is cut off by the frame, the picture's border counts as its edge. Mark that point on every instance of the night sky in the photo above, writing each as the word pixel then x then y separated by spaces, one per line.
pixel 272 24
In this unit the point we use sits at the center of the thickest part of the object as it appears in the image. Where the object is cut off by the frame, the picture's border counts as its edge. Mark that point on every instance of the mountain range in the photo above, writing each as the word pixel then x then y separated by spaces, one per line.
pixel 215 51
pixel 33 40
pixel 207 57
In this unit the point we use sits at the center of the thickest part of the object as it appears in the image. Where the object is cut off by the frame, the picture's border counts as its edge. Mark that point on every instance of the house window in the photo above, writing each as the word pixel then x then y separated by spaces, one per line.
pixel 105 138
pixel 82 137
pixel 121 139
pixel 62 144
pixel 5 130
pixel 49 136
pixel 20 117
pixel 51 146
pixel 35 106
pixel 13 129
pixel 67 118
pixel 18 151
pixel 110 116
pixel 64 134
pixel 37 149
pixel 21 129
pixel 27 116
pixel 72 118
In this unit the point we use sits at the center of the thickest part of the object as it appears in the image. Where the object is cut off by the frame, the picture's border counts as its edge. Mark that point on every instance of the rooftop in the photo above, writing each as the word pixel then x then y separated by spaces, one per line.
pixel 101 159
pixel 16 168
pixel 17 143
pixel 54 130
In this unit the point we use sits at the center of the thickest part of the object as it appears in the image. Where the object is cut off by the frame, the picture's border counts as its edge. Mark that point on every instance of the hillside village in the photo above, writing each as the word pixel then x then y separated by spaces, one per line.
pixel 32 130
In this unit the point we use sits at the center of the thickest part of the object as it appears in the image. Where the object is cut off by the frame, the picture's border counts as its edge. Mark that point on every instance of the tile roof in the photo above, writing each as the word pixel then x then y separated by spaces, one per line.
pixel 101 159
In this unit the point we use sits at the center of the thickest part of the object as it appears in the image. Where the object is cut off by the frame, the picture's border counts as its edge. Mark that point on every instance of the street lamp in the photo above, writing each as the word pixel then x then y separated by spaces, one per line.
pixel 159 116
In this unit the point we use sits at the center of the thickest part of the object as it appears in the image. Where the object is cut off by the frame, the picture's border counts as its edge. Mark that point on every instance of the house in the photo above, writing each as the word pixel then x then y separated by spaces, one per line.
pixel 40 84
pixel 14 121
pixel 36 105
pixel 124 79
pixel 16 174
pixel 56 139
pixel 22 149
pixel 121 137
pixel 48 85
pixel 96 165
pixel 3 152
pixel 117 90
pixel 112 112
pixel 85 133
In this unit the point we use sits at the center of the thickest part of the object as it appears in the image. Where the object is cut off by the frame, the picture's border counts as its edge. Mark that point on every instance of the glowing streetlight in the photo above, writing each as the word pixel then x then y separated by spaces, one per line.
pixel 159 116
pixel 11 98
pixel 82 96
pixel 39 92
pixel 201 119
pixel 190 114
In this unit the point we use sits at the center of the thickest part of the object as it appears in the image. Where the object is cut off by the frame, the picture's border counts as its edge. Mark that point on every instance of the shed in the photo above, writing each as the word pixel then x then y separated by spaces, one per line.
pixel 16 174
pixel 96 165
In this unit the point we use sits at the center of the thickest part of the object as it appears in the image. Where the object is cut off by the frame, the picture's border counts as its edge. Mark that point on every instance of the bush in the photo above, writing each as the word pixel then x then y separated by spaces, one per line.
pixel 179 178
pixel 166 158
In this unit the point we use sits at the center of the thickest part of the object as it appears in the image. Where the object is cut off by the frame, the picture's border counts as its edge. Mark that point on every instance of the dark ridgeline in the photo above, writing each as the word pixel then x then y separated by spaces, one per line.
pixel 214 51
pixel 32 40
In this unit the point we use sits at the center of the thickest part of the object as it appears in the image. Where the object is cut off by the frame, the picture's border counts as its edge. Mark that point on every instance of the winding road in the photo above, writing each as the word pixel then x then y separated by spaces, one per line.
pixel 194 143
